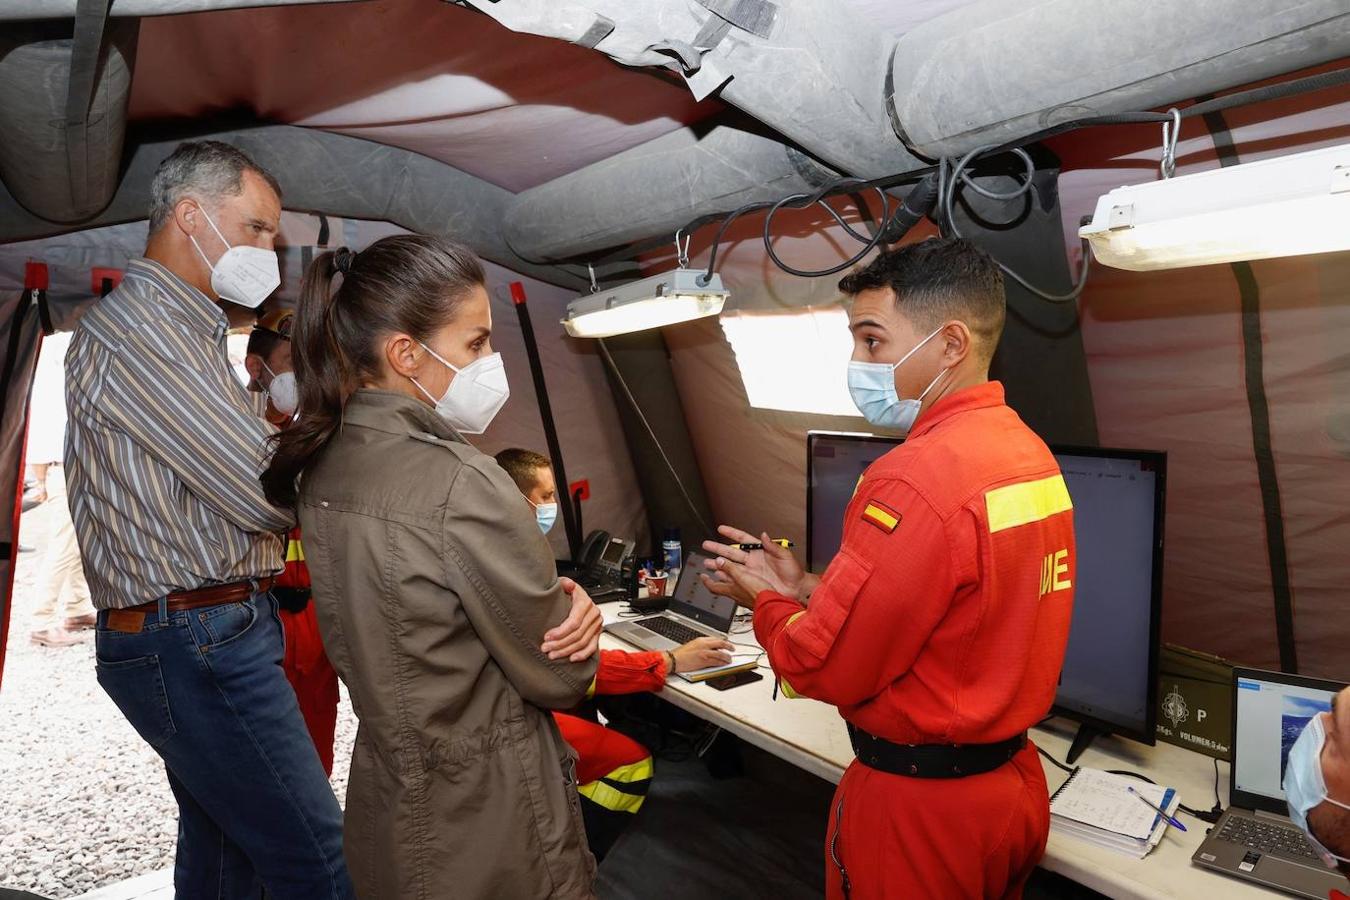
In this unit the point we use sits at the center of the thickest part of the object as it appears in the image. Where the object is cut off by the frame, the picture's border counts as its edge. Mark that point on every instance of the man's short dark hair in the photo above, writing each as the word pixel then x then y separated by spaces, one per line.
pixel 264 343
pixel 523 466
pixel 938 280
pixel 211 170
pixel 1331 826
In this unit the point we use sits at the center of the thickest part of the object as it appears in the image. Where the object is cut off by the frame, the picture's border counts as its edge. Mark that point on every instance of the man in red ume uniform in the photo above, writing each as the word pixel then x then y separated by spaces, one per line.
pixel 939 629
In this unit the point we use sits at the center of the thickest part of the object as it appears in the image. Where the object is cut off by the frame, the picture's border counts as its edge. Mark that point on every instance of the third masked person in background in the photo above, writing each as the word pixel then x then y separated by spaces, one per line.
pixel 434 587
pixel 939 629
pixel 270 371
pixel 614 772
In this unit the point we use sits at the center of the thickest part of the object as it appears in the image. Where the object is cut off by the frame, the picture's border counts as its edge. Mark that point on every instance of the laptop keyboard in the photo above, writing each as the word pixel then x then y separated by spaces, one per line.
pixel 669 628
pixel 1266 836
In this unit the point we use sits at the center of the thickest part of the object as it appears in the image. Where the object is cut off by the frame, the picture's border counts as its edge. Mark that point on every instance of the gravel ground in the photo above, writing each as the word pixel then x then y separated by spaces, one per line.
pixel 83 801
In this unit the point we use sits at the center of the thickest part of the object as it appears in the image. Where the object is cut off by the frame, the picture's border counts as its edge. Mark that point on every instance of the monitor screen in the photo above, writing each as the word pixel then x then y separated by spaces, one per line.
pixel 837 462
pixel 1270 715
pixel 693 599
pixel 1109 667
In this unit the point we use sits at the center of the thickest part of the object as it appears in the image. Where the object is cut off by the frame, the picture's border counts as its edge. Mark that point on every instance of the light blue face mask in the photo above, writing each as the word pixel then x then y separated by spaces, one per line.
pixel 872 386
pixel 545 514
pixel 1306 788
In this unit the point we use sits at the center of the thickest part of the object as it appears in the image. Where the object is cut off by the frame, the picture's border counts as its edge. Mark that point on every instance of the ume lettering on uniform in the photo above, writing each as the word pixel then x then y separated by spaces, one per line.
pixel 1054 572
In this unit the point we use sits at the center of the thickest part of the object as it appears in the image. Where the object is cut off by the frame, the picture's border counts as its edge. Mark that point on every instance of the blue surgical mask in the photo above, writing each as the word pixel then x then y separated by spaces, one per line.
pixel 1306 788
pixel 872 386
pixel 545 514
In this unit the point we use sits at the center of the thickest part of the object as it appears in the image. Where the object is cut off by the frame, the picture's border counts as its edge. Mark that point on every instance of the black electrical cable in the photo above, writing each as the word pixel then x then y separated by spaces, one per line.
pixel 1069 769
pixel 802 201
pixel 869 244
pixel 952 175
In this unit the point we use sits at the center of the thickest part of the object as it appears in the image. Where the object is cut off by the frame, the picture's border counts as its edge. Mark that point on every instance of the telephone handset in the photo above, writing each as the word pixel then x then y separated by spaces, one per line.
pixel 604 564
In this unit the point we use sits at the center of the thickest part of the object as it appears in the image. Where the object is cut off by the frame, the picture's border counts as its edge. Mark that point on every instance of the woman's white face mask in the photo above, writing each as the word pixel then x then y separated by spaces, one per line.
pixel 476 393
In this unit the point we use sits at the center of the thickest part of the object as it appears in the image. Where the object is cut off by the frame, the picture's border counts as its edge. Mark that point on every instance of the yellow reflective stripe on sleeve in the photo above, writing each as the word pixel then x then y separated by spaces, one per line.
pixel 607 792
pixel 295 551
pixel 1030 501
pixel 590 691
pixel 611 798
pixel 638 771
pixel 784 688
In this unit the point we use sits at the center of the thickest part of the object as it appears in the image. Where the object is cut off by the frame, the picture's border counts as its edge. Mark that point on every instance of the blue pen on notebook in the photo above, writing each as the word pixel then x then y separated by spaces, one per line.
pixel 1151 805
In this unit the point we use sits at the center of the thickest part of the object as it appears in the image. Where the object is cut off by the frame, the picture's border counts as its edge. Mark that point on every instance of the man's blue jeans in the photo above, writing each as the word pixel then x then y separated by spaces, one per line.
pixel 205 688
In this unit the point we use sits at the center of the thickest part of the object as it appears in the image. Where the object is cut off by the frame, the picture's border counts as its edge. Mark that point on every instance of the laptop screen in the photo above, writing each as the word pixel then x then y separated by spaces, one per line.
pixel 695 601
pixel 1270 713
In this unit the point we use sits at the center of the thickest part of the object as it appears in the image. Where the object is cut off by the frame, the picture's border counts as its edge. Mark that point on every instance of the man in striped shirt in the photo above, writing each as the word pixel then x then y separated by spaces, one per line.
pixel 180 546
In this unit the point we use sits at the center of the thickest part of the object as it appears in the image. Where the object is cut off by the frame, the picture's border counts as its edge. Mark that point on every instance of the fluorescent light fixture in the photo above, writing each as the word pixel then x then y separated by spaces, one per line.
pixel 1286 206
pixel 665 299
pixel 794 361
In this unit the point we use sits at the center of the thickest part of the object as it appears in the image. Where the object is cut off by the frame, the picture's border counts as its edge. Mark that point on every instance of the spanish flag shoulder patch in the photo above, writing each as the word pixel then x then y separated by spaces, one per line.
pixel 882 516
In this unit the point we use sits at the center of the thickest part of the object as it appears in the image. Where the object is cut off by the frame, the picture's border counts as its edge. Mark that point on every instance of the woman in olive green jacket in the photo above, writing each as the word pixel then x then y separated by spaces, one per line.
pixel 434 588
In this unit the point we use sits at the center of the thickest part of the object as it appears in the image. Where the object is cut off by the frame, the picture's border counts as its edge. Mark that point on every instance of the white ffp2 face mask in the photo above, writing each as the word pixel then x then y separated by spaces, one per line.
pixel 243 275
pixel 475 396
pixel 283 391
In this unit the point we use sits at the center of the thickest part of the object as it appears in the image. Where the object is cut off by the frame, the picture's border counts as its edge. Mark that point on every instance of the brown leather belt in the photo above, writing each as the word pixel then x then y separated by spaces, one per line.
pixel 211 595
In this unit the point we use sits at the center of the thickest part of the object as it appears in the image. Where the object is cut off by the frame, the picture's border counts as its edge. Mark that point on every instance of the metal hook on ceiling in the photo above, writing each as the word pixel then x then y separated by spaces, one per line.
pixel 1171 133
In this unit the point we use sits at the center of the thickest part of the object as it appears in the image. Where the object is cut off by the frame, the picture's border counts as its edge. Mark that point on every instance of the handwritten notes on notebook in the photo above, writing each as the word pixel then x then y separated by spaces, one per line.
pixel 1098 807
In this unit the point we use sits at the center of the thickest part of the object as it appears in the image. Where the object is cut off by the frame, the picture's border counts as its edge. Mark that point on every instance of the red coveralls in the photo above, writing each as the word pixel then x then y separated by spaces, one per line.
pixel 307 667
pixel 943 620
pixel 614 771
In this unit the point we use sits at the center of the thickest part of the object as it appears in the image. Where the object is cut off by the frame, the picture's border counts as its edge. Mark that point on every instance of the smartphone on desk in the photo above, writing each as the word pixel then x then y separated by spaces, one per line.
pixel 735 679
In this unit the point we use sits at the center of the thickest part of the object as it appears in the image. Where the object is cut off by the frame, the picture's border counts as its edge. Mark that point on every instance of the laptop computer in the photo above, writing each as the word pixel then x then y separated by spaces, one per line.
pixel 693 612
pixel 1255 840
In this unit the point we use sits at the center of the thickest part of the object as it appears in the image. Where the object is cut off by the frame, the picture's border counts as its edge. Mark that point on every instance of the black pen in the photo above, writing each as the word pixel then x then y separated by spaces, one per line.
pixel 782 542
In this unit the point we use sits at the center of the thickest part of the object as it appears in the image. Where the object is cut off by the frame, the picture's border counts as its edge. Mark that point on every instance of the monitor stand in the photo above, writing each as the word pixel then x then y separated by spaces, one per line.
pixel 1086 734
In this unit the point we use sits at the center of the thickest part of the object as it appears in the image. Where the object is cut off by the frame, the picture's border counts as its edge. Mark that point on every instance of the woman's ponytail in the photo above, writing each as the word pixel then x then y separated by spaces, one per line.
pixel 410 284
pixel 321 373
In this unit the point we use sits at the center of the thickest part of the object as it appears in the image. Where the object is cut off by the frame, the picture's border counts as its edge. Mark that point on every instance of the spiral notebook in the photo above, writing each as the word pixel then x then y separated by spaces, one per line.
pixel 1097 807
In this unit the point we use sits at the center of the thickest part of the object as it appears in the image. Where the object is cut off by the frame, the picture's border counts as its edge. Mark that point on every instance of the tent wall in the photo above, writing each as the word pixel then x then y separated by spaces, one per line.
pixel 668 468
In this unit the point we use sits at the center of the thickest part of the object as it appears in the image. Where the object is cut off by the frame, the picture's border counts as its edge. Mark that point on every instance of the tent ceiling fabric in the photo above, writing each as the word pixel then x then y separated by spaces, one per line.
pixel 419 74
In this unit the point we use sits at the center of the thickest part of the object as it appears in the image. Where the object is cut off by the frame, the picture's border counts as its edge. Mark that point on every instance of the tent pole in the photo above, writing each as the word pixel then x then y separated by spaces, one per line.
pixel 570 513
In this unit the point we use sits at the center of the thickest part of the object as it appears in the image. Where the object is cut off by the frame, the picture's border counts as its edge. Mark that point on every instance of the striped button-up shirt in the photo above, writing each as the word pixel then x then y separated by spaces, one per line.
pixel 164 447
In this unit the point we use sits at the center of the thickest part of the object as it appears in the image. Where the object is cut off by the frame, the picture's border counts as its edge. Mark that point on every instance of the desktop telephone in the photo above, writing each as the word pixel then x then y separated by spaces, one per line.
pixel 606 566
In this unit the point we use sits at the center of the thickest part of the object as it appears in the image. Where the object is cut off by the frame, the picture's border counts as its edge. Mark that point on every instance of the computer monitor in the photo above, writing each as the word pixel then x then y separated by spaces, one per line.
pixel 835 461
pixel 692 598
pixel 1109 681
pixel 1270 710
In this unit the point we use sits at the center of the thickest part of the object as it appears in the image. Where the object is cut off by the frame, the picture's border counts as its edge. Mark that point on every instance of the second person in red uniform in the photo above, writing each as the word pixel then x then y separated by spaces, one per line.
pixel 939 629
pixel 614 772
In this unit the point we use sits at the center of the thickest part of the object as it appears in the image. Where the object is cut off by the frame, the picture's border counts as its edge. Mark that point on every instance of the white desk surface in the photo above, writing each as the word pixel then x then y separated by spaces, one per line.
pixel 811 736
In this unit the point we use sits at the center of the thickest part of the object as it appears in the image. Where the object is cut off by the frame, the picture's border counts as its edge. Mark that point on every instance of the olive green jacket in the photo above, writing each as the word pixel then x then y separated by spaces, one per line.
pixel 434 588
